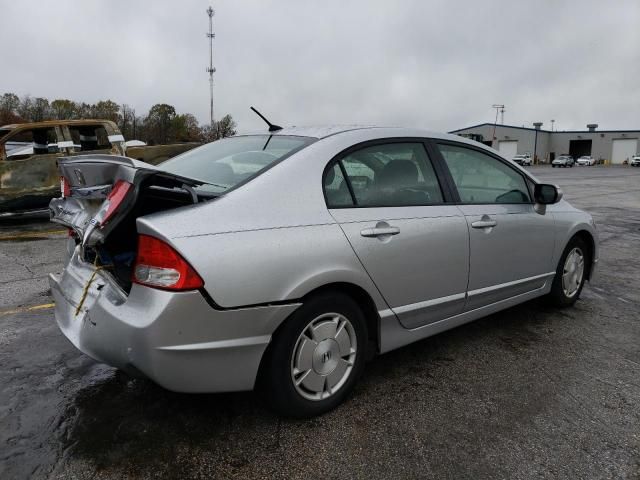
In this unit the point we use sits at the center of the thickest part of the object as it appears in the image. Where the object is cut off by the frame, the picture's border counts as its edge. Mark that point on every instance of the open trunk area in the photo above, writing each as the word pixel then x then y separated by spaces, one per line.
pixel 119 247
pixel 102 198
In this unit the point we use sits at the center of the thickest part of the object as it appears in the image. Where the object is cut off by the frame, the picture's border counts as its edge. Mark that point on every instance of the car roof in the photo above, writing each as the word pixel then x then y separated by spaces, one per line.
pixel 324 131
pixel 52 123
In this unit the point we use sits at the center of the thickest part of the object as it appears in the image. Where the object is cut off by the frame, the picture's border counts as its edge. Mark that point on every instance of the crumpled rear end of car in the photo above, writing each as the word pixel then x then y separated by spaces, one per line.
pixel 176 337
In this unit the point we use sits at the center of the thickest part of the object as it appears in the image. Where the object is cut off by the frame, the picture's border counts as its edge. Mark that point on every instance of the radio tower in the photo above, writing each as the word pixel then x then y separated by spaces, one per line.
pixel 211 70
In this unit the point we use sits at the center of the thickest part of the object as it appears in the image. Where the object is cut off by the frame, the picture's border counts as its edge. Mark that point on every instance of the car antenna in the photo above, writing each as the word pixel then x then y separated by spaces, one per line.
pixel 272 127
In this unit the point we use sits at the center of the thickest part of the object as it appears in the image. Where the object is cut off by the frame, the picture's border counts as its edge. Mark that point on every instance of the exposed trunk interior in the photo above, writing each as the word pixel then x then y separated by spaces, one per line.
pixel 119 247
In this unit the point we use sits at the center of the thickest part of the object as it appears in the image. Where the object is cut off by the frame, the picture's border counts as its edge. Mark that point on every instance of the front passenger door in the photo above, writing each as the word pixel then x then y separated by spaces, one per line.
pixel 511 245
pixel 389 204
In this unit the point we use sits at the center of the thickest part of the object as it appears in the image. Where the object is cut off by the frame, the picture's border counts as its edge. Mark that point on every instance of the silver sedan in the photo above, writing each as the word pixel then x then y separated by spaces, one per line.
pixel 284 260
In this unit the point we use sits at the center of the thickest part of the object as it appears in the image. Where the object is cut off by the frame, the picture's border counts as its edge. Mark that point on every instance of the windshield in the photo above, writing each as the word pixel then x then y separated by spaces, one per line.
pixel 225 163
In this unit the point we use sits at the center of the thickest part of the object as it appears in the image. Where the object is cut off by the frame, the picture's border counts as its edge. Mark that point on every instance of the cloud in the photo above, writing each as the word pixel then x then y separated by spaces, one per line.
pixel 435 64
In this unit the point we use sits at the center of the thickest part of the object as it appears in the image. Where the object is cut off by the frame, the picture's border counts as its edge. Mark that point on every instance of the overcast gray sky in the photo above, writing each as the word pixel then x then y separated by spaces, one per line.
pixel 432 64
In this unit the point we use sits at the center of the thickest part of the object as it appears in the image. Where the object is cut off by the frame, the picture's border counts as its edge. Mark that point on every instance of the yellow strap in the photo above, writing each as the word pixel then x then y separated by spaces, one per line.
pixel 86 287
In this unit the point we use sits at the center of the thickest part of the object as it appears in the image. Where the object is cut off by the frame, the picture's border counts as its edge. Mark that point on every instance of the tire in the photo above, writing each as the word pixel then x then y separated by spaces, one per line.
pixel 566 289
pixel 321 343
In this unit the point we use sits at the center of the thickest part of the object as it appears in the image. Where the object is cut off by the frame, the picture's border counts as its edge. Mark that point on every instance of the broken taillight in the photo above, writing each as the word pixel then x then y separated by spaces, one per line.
pixel 65 188
pixel 159 265
pixel 115 198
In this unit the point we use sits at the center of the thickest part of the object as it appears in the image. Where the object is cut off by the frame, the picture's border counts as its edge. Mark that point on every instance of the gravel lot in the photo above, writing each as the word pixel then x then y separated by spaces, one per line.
pixel 529 392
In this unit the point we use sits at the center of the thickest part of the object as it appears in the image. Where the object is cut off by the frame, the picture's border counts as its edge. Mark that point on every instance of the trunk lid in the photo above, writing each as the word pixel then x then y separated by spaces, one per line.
pixel 92 178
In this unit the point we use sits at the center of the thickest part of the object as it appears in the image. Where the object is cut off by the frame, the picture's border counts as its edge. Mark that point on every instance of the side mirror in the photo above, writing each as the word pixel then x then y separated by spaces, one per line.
pixel 546 194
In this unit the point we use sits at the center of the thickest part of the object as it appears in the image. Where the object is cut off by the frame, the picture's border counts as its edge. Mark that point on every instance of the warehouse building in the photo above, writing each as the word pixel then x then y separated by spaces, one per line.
pixel 610 146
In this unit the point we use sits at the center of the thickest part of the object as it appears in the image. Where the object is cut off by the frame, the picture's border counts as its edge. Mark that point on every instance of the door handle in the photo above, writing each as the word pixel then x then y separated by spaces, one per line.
pixel 484 223
pixel 379 231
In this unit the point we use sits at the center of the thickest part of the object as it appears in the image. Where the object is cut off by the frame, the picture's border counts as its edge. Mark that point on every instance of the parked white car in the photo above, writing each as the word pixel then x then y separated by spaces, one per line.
pixel 523 159
pixel 586 160
pixel 563 161
pixel 635 161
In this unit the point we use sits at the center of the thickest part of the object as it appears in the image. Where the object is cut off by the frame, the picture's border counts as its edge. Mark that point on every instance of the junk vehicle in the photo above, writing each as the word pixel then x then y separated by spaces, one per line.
pixel 29 152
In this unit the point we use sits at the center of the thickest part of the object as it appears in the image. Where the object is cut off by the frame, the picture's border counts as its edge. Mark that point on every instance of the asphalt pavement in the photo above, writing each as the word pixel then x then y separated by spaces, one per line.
pixel 531 392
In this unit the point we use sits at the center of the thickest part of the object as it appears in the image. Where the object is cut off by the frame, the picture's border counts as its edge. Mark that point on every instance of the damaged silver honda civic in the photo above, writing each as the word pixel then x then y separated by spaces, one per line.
pixel 284 260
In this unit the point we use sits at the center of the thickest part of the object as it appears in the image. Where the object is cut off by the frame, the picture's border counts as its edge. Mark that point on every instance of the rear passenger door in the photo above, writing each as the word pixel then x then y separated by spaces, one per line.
pixel 511 245
pixel 388 200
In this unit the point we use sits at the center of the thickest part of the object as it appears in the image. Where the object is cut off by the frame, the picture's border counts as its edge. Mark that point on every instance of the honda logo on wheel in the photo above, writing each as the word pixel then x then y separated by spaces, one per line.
pixel 326 356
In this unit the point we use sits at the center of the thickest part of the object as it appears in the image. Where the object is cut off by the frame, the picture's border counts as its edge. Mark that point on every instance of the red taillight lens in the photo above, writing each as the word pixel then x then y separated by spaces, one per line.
pixel 158 265
pixel 115 198
pixel 65 188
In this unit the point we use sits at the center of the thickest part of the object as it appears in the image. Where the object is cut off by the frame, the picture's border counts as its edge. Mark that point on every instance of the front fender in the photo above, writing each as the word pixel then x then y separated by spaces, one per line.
pixel 571 223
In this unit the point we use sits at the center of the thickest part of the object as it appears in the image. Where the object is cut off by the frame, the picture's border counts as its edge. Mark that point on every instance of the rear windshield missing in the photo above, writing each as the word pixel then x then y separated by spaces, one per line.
pixel 226 163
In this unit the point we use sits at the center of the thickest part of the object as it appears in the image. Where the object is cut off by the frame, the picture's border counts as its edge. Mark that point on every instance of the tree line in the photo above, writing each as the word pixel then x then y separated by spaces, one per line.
pixel 161 124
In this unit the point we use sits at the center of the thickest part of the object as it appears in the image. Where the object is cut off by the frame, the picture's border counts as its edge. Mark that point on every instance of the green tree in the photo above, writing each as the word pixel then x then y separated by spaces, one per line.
pixel 106 110
pixel 158 122
pixel 225 127
pixel 63 109
pixel 24 109
pixel 127 121
pixel 40 110
pixel 185 128
pixel 9 104
pixel 82 110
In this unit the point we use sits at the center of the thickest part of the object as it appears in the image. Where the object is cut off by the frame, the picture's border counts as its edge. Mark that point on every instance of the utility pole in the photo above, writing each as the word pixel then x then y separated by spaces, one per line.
pixel 537 126
pixel 552 123
pixel 211 70
pixel 498 109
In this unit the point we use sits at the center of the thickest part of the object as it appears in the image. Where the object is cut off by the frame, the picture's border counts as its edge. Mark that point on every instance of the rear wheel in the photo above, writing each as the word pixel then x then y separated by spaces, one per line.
pixel 315 360
pixel 570 274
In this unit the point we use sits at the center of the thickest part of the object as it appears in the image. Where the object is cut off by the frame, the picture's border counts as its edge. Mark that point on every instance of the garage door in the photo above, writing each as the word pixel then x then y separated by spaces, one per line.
pixel 508 149
pixel 624 149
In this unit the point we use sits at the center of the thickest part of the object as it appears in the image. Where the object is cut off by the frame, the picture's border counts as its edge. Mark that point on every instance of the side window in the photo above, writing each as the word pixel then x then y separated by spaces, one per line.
pixel 392 175
pixel 89 137
pixel 336 188
pixel 480 178
pixel 38 141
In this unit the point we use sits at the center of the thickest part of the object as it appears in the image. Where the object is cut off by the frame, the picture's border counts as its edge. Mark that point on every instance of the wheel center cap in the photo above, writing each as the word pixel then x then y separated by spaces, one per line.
pixel 325 356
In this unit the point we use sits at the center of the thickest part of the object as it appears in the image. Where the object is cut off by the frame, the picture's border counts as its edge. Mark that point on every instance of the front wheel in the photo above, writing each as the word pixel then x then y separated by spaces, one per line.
pixel 570 274
pixel 315 359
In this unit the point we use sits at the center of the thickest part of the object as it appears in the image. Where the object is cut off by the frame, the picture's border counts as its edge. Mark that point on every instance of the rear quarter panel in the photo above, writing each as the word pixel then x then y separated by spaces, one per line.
pixel 263 266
